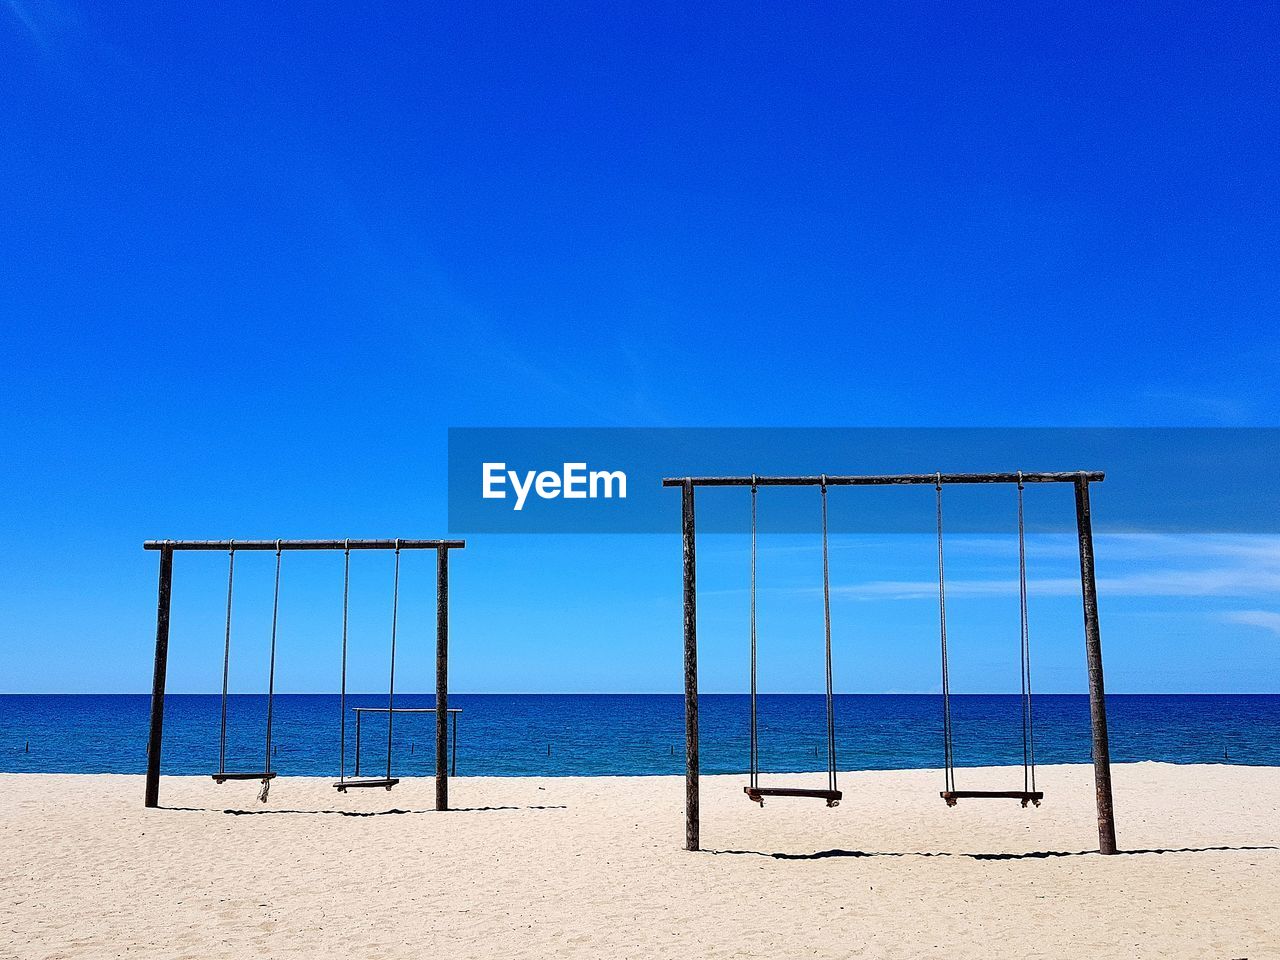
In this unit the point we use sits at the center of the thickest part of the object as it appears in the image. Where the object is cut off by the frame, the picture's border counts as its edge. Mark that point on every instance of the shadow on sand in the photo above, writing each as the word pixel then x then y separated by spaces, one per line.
pixel 1034 855
pixel 395 811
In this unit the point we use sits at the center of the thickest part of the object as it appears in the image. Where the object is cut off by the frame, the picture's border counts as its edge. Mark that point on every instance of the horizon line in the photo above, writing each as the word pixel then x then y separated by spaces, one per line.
pixel 649 693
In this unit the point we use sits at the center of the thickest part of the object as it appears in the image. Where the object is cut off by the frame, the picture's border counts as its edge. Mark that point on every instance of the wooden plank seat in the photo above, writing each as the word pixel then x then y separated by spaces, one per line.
pixel 342 785
pixel 224 777
pixel 758 794
pixel 951 796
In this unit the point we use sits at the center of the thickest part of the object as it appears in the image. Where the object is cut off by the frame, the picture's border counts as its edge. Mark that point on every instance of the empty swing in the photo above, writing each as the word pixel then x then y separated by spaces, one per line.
pixel 342 783
pixel 266 775
pixel 753 790
pixel 1028 793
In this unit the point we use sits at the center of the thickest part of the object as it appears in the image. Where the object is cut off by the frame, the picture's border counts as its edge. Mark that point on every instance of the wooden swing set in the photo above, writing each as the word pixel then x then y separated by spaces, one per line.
pixel 831 793
pixel 264 776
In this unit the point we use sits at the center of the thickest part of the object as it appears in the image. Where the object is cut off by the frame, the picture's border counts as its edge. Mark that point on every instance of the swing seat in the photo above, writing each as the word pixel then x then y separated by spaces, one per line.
pixel 224 777
pixel 342 785
pixel 1032 796
pixel 757 794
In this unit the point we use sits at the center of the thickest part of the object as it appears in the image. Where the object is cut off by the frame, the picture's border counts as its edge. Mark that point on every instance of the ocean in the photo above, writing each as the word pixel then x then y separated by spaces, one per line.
pixel 624 735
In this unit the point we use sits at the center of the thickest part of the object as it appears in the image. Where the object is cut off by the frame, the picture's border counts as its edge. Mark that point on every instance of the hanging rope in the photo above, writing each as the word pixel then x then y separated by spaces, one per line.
pixel 755 744
pixel 949 777
pixel 826 616
pixel 391 685
pixel 342 719
pixel 226 659
pixel 754 790
pixel 1028 727
pixel 271 675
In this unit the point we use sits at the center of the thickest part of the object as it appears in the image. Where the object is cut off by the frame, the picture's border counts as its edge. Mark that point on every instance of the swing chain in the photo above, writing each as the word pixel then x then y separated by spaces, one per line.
pixel 832 793
pixel 947 755
pixel 271 675
pixel 1028 728
pixel 755 742
pixel 391 684
pixel 226 657
pixel 342 704
pixel 826 619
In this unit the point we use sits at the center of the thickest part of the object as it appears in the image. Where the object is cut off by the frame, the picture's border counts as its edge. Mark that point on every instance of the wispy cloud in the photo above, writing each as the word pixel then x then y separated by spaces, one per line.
pixel 1152 565
pixel 50 25
pixel 1217 409
pixel 27 20
pixel 1222 582
pixel 1268 620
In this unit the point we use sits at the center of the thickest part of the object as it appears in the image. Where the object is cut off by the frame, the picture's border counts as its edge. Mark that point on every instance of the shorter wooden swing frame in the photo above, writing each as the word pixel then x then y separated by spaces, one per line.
pixel 167 548
pixel 1089 593
pixel 453 724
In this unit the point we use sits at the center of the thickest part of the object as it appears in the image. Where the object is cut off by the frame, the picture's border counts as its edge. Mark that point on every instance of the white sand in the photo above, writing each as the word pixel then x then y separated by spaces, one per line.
pixel 593 867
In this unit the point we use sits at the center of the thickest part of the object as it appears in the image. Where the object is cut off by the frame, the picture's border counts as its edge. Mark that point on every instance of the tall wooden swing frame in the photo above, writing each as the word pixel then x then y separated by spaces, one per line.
pixel 167 548
pixel 1088 585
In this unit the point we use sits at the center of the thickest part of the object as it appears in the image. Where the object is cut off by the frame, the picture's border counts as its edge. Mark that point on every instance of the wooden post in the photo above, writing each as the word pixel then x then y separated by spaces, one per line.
pixel 690 670
pixel 1093 656
pixel 442 679
pixel 158 677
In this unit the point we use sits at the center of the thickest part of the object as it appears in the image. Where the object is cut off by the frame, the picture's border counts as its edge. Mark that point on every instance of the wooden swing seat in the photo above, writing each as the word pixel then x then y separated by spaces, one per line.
pixel 1032 796
pixel 342 785
pixel 757 794
pixel 224 777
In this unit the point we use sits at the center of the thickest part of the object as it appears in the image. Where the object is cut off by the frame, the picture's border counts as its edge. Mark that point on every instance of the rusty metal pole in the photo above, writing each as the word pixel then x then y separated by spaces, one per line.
pixel 442 679
pixel 691 823
pixel 1093 656
pixel 156 737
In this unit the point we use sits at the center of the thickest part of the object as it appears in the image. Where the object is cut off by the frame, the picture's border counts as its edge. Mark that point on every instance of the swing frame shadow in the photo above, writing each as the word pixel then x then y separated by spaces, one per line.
pixel 1089 593
pixel 167 548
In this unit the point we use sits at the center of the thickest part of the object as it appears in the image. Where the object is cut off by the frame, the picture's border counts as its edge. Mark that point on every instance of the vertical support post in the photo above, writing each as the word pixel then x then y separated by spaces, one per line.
pixel 156 737
pixel 359 714
pixel 442 678
pixel 1093 656
pixel 691 822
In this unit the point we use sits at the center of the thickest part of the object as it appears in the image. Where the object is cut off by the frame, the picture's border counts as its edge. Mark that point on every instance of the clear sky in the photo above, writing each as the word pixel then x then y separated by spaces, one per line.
pixel 255 259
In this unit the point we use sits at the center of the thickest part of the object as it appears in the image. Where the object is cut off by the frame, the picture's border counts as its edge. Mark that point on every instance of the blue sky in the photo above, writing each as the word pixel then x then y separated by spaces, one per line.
pixel 256 261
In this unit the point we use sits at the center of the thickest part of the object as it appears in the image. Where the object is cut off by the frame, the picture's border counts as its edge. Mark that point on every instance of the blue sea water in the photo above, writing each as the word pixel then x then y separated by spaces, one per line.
pixel 556 735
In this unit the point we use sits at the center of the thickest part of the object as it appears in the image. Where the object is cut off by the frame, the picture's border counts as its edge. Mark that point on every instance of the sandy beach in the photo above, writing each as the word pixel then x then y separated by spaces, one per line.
pixel 593 867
